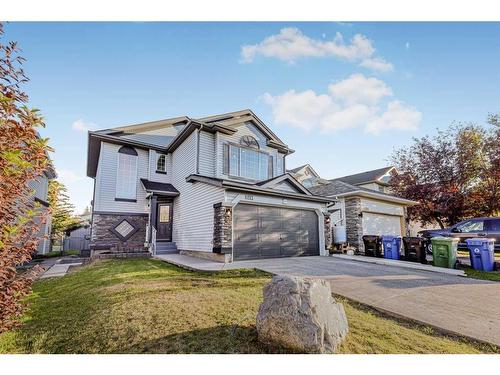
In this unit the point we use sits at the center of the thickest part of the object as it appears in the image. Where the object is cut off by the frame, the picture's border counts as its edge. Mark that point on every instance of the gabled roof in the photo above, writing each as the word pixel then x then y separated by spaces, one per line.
pixel 298 169
pixel 287 177
pixel 338 188
pixel 226 123
pixel 365 177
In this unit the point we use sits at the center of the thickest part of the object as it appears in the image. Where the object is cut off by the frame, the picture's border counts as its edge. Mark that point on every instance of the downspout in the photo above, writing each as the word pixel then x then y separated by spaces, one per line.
pixel 198 150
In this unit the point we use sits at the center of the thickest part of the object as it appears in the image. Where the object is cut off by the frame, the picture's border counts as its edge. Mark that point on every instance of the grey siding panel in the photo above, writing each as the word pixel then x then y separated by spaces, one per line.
pixel 40 185
pixel 106 181
pixel 243 129
pixel 285 186
pixel 207 150
pixel 193 208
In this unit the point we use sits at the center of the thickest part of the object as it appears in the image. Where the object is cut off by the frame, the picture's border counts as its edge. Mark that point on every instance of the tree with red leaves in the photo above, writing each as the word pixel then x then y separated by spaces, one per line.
pixel 454 175
pixel 23 158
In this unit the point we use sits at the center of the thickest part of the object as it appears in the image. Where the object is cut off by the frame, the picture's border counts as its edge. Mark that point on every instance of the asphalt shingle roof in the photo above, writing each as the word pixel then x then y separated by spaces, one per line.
pixel 364 176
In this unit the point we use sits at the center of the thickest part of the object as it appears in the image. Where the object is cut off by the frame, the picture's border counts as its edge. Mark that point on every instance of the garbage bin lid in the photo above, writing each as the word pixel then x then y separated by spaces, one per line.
pixel 479 241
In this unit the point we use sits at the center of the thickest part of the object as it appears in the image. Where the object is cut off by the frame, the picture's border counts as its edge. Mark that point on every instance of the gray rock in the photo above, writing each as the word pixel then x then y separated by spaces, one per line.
pixel 301 314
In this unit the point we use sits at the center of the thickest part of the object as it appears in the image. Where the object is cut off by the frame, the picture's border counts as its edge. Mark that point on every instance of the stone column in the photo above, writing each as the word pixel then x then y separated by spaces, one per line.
pixel 223 228
pixel 354 224
pixel 328 230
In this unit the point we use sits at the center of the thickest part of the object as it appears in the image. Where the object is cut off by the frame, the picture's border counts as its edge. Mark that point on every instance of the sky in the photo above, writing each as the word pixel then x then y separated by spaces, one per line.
pixel 342 95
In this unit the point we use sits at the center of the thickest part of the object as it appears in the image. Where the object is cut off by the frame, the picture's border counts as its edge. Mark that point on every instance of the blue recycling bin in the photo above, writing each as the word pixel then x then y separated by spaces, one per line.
pixel 392 246
pixel 481 253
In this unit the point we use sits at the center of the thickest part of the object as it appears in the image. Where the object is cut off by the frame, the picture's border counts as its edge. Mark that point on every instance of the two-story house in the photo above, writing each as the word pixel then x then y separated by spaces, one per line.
pixel 214 187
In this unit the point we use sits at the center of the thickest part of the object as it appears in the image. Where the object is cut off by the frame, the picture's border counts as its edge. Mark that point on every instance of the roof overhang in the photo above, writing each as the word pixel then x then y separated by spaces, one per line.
pixel 380 197
pixel 238 186
pixel 159 188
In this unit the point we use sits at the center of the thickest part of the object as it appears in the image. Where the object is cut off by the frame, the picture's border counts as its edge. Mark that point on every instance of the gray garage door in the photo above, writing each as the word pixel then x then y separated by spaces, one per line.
pixel 273 232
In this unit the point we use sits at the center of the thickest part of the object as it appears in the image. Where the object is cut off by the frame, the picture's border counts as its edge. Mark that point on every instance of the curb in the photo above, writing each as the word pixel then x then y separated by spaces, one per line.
pixel 401 264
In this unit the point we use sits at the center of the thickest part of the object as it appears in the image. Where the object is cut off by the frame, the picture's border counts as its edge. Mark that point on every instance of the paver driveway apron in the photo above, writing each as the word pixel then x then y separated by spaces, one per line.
pixel 457 304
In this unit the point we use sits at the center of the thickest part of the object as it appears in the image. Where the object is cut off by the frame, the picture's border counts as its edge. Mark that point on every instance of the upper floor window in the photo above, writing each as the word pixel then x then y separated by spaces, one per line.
pixel 161 164
pixel 247 163
pixel 249 141
pixel 126 174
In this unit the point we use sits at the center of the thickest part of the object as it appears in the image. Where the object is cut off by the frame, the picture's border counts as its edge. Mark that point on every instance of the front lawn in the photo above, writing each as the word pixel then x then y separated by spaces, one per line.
pixel 147 306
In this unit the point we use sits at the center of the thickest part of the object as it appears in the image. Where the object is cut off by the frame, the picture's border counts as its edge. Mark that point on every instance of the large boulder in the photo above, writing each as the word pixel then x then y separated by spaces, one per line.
pixel 301 314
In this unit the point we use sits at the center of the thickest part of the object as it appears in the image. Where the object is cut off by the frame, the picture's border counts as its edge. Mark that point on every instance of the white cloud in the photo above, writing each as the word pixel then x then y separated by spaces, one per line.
pixel 398 116
pixel 359 89
pixel 355 102
pixel 291 44
pixel 300 109
pixel 407 46
pixel 377 64
pixel 82 126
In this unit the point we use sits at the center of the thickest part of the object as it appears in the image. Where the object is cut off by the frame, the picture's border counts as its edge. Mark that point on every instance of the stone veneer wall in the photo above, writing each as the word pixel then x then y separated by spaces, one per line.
pixel 223 222
pixel 354 225
pixel 103 237
pixel 328 231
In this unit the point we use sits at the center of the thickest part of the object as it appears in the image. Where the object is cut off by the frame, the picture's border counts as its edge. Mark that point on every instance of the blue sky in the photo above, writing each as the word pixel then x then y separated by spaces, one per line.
pixel 342 102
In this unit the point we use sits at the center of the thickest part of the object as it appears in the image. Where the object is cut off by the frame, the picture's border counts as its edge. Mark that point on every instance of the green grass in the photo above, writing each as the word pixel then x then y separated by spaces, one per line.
pixel 475 274
pixel 147 306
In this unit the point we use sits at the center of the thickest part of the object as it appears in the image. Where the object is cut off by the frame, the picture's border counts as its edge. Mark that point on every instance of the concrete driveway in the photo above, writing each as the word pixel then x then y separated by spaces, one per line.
pixel 461 305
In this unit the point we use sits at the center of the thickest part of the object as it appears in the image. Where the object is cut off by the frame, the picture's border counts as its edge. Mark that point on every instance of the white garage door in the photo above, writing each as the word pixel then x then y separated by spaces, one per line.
pixel 377 224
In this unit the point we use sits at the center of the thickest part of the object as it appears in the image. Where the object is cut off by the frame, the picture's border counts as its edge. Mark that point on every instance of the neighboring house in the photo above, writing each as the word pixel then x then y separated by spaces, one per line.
pixel 40 188
pixel 362 203
pixel 213 187
pixel 377 179
pixel 307 176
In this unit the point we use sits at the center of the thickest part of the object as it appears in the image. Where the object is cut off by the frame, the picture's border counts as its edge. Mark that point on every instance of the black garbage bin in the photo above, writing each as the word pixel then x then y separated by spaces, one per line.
pixel 373 246
pixel 414 249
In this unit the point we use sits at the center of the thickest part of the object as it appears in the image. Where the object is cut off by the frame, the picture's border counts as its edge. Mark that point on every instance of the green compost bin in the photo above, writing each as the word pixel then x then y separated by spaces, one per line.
pixel 444 251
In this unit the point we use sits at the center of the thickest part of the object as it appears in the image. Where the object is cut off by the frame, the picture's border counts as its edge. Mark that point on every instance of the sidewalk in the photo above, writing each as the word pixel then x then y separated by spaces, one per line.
pixel 59 267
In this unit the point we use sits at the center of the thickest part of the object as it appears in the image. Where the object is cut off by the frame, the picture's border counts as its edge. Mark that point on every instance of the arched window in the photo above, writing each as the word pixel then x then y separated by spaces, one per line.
pixel 249 141
pixel 161 164
pixel 126 173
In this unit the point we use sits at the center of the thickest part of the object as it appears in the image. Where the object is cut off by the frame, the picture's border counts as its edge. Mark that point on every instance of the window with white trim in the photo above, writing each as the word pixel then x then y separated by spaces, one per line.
pixel 126 174
pixel 249 163
pixel 161 163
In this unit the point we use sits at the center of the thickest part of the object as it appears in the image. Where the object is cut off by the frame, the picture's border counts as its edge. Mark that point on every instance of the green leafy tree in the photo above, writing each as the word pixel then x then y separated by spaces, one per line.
pixel 454 175
pixel 63 216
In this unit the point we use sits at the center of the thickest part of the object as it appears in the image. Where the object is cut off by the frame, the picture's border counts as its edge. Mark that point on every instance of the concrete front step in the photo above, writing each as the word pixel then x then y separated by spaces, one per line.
pixel 165 252
pixel 166 248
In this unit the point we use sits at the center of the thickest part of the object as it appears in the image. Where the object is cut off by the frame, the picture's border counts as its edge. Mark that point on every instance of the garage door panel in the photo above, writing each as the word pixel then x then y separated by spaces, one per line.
pixel 377 224
pixel 268 232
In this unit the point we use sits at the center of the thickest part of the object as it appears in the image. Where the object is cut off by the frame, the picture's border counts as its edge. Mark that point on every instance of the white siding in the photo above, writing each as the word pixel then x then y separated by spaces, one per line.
pixel 243 129
pixel 105 187
pixel 207 151
pixel 159 177
pixel 193 208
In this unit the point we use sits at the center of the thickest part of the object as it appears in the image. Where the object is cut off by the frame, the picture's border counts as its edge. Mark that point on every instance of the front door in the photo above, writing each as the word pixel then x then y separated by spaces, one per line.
pixel 164 222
